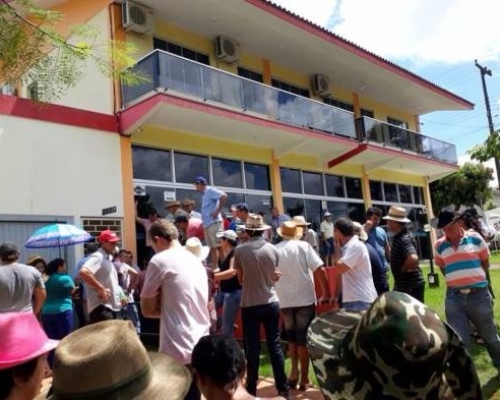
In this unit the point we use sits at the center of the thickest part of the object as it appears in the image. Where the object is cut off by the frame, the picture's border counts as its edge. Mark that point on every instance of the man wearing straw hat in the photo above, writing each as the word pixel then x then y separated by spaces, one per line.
pixel 256 263
pixel 309 235
pixel 408 277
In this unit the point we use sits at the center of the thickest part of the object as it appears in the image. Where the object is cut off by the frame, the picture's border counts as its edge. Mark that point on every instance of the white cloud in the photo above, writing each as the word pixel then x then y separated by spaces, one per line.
pixel 425 31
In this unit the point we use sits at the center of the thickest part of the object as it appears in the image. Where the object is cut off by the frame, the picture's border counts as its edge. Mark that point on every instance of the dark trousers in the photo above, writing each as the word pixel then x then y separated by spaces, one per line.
pixel 193 393
pixel 269 316
pixel 102 313
pixel 57 326
pixel 416 292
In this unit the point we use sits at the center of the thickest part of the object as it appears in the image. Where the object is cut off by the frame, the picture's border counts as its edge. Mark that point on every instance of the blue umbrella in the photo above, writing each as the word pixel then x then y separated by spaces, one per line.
pixel 57 235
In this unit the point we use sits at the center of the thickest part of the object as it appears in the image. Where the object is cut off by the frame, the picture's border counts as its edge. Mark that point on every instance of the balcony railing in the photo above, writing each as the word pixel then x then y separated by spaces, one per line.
pixel 170 72
pixel 394 136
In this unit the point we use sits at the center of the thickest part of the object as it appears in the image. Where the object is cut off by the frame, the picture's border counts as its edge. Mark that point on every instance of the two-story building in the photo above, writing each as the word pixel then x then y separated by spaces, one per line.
pixel 270 107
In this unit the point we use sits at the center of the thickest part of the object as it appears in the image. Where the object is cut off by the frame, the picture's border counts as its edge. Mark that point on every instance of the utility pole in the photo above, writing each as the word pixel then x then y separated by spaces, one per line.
pixel 485 71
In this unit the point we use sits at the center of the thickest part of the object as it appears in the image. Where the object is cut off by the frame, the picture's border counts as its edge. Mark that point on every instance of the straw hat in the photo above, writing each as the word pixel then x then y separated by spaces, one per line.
pixel 170 204
pixel 289 230
pixel 360 231
pixel 255 222
pixel 397 214
pixel 34 259
pixel 399 349
pixel 194 245
pixel 23 339
pixel 107 360
pixel 300 221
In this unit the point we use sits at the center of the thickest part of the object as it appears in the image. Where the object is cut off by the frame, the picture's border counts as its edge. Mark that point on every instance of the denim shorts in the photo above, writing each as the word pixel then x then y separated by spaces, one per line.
pixel 296 321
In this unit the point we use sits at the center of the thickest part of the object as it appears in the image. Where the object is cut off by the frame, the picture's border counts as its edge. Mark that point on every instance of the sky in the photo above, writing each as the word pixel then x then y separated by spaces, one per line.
pixel 438 40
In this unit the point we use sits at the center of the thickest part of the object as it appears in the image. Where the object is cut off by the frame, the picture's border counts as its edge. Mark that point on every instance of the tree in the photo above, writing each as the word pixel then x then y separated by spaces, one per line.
pixel 32 51
pixel 467 186
pixel 489 149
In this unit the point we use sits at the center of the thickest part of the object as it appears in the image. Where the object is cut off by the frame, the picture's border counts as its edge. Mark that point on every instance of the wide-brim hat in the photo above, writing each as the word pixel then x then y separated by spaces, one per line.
pixel 107 360
pixel 255 222
pixel 194 245
pixel 397 214
pixel 289 230
pixel 398 349
pixel 34 259
pixel 300 221
pixel 360 231
pixel 170 204
pixel 22 339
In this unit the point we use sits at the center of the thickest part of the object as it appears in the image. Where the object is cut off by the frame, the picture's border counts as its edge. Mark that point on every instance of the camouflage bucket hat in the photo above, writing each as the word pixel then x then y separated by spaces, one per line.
pixel 398 349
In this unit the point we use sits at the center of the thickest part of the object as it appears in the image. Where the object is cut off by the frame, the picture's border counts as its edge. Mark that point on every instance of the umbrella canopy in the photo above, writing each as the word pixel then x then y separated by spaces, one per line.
pixel 57 235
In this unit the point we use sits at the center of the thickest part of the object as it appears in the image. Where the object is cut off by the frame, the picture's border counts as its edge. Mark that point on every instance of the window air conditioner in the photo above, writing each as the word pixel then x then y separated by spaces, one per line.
pixel 227 49
pixel 137 18
pixel 320 85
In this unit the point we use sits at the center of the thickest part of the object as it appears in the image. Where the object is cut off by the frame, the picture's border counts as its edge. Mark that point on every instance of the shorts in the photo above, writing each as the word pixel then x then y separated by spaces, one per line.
pixel 296 321
pixel 328 247
pixel 211 238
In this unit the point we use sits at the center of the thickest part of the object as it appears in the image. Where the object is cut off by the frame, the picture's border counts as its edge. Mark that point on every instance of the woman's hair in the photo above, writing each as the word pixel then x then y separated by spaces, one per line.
pixel 37 260
pixel 54 265
pixel 221 359
pixel 23 372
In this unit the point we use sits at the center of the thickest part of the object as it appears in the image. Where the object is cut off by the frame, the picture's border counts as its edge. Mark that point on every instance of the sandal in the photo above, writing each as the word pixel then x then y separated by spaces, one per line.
pixel 304 386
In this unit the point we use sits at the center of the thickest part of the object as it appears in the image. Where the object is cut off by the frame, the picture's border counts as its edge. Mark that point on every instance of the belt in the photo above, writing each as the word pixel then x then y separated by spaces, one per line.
pixel 468 290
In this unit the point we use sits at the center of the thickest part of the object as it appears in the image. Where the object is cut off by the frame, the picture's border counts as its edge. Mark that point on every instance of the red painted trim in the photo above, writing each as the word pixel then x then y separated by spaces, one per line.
pixel 349 154
pixel 26 108
pixel 134 113
pixel 314 29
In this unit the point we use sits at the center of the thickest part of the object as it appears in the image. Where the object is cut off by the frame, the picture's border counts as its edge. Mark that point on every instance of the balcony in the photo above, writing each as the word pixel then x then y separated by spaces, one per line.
pixel 171 73
pixel 389 135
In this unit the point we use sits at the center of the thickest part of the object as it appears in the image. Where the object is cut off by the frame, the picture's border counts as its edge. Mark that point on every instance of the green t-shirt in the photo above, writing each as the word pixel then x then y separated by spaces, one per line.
pixel 58 288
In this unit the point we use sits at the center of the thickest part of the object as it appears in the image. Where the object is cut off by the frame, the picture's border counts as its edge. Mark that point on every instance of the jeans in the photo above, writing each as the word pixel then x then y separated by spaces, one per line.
pixel 102 313
pixel 57 326
pixel 231 304
pixel 269 316
pixel 477 306
pixel 131 314
pixel 356 306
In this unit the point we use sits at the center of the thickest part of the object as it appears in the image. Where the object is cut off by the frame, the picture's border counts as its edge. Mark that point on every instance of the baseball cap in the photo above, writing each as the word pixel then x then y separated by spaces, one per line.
pixel 327 214
pixel 201 180
pixel 108 236
pixel 228 234
pixel 242 207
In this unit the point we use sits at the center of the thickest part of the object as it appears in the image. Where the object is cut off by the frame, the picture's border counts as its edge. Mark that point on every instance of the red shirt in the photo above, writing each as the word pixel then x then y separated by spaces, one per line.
pixel 195 228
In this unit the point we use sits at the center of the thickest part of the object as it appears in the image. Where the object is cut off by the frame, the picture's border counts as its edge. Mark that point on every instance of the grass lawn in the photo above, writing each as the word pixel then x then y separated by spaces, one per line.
pixel 434 298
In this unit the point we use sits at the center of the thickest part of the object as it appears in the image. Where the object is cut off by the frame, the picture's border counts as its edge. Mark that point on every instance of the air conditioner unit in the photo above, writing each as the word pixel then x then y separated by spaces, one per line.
pixel 137 18
pixel 227 49
pixel 320 85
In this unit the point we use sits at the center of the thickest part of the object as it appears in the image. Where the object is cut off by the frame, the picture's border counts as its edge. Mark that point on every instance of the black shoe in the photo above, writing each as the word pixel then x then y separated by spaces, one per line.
pixel 285 394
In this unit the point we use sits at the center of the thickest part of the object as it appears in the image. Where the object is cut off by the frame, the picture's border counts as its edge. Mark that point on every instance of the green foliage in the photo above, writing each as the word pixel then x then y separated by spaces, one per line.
pixel 467 186
pixel 489 149
pixel 31 50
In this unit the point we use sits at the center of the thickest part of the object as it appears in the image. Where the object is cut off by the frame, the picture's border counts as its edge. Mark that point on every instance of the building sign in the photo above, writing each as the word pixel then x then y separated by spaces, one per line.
pixel 109 210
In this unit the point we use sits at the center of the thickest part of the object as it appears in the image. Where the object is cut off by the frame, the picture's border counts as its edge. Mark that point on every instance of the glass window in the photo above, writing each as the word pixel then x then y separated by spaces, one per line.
pixel 391 192
pixel 353 187
pixel 254 76
pixel 155 197
pixel 151 164
pixel 189 166
pixel 290 180
pixel 356 212
pixel 367 113
pixel 257 203
pixel 293 206
pixel 404 193
pixel 376 190
pixel 313 183
pixel 337 209
pixel 418 195
pixel 181 194
pixel 232 198
pixel 334 186
pixel 287 87
pixel 227 173
pixel 313 213
pixel 339 104
pixel 397 122
pixel 257 176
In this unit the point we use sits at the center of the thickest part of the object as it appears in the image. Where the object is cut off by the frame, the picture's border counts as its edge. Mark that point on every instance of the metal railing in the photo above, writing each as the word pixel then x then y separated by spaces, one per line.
pixel 170 72
pixel 390 135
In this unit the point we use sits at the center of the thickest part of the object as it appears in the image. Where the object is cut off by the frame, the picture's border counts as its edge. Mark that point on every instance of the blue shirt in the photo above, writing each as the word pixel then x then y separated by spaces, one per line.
pixel 58 300
pixel 377 237
pixel 209 203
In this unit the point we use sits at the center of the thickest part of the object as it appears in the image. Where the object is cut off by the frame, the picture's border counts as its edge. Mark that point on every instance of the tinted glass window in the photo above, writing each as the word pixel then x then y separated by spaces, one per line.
pixel 313 183
pixel 376 190
pixel 339 104
pixel 189 166
pixel 334 186
pixel 418 196
pixel 227 173
pixel 356 212
pixel 313 213
pixel 257 176
pixel 353 187
pixel 290 180
pixel 390 192
pixel 151 164
pixel 181 194
pixel 258 203
pixel 293 206
pixel 246 73
pixel 367 113
pixel 404 193
pixel 233 198
pixel 337 209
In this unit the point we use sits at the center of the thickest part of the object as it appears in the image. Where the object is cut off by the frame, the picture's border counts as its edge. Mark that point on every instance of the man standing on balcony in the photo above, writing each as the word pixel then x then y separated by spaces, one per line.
pixel 212 201
pixel 408 277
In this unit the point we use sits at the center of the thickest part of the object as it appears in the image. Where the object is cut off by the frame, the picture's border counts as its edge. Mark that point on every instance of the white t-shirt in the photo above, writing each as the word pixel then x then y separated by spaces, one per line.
pixel 181 280
pixel 326 229
pixel 297 262
pixel 99 263
pixel 357 283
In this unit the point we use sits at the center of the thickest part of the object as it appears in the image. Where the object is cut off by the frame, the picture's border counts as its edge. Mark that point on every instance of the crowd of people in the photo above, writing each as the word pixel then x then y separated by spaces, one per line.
pixel 201 273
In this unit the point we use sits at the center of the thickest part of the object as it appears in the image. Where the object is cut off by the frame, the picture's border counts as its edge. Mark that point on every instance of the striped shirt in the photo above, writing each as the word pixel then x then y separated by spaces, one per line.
pixel 462 266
